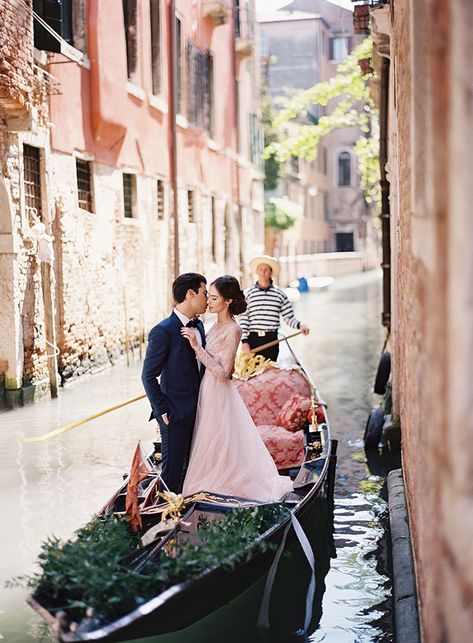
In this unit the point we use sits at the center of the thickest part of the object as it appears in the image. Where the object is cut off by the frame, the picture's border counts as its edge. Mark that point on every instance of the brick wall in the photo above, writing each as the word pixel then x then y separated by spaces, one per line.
pixel 16 55
pixel 431 161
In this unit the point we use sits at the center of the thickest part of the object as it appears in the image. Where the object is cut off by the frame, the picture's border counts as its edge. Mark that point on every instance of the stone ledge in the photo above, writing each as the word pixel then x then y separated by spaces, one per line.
pixel 406 617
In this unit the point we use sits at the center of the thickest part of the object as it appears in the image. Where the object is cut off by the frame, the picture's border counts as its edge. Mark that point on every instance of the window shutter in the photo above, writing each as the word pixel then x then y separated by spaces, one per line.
pixel 58 15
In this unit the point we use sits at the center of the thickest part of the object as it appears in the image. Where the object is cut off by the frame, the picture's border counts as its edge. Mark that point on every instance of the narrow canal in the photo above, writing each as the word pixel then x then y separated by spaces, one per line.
pixel 54 486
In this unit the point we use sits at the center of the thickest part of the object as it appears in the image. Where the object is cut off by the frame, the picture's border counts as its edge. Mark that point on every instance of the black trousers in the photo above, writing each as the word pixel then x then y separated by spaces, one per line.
pixel 255 340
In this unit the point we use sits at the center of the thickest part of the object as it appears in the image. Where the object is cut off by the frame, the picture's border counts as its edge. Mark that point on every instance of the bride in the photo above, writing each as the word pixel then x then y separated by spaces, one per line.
pixel 228 455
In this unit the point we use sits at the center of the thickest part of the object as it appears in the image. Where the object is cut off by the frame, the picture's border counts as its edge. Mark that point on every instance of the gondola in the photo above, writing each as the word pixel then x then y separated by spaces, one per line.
pixel 184 602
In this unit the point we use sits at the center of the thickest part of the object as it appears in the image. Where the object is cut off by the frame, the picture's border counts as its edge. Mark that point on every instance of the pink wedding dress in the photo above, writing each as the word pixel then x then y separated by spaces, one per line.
pixel 228 455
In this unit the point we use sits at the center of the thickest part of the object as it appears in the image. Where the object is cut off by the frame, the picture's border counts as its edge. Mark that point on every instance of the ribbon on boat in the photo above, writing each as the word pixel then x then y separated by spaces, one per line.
pixel 263 616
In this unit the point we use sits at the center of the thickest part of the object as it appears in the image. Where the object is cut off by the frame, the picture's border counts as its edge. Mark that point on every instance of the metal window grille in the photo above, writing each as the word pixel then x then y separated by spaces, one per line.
pixel 160 198
pixel 32 179
pixel 128 195
pixel 200 80
pixel 84 188
pixel 190 206
pixel 256 142
pixel 155 13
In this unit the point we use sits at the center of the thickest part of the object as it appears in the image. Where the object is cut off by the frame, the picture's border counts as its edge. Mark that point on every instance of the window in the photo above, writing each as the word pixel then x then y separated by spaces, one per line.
pixel 344 169
pixel 179 74
pixel 131 36
pixel 129 196
pixel 338 48
pixel 326 207
pixel 294 164
pixel 214 228
pixel 344 242
pixel 238 114
pixel 190 206
pixel 155 13
pixel 200 94
pixel 160 199
pixel 58 15
pixel 84 188
pixel 256 142
pixel 32 179
pixel 79 25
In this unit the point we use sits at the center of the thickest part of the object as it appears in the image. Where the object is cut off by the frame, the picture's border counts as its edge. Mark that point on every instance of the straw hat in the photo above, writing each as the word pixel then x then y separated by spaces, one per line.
pixel 272 262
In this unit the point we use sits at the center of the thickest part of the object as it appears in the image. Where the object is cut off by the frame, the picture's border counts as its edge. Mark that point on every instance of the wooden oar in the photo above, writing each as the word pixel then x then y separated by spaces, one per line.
pixel 274 342
pixel 68 427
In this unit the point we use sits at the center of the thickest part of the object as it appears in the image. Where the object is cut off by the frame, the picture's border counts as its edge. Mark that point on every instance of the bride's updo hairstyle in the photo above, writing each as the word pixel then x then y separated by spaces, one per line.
pixel 228 287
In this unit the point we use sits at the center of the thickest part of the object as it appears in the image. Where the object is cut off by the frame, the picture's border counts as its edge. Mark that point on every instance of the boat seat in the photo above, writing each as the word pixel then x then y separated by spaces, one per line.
pixel 264 396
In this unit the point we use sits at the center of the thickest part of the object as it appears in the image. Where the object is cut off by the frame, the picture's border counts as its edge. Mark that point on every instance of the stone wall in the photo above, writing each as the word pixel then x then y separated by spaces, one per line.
pixel 104 260
pixel 23 117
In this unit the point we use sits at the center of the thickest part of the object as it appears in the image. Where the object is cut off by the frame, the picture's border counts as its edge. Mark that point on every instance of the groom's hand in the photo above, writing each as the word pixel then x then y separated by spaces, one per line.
pixel 165 418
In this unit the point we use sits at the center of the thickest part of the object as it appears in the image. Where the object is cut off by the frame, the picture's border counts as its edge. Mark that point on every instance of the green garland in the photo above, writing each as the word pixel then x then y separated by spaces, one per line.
pixel 95 569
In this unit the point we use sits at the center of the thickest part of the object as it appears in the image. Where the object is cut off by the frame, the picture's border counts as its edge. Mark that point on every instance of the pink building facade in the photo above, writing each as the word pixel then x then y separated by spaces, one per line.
pixel 111 146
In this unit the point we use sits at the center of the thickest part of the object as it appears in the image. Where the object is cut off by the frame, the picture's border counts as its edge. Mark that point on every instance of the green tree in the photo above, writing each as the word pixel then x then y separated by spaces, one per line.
pixel 354 107
pixel 277 217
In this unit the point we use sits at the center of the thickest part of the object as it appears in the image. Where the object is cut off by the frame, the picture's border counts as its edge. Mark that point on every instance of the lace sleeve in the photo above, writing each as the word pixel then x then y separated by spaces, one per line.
pixel 222 367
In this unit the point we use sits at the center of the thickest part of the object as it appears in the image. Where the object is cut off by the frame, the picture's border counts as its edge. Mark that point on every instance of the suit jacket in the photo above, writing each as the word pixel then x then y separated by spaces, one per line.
pixel 170 357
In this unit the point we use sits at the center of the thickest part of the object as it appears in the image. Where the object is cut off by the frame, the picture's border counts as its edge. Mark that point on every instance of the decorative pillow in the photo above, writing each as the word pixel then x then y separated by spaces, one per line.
pixel 293 414
pixel 286 448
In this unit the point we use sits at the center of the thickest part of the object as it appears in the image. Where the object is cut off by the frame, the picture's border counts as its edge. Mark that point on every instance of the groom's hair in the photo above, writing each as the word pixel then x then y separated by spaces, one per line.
pixel 185 282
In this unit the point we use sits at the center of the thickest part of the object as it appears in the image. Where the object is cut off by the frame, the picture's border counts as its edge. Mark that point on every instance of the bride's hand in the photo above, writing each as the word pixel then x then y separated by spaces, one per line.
pixel 189 333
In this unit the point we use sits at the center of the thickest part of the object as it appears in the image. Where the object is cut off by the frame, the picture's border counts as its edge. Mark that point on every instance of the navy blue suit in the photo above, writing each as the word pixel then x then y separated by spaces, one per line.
pixel 170 356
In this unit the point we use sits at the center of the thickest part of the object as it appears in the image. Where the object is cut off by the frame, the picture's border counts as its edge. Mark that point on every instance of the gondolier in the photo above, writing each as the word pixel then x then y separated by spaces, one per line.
pixel 266 304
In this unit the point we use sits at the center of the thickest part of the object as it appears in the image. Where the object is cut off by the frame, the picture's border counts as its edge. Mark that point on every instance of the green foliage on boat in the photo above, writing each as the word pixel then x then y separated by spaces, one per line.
pixel 98 568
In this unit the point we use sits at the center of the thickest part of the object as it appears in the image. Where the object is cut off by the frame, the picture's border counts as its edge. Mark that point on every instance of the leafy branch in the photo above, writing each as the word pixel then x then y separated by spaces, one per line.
pixel 354 107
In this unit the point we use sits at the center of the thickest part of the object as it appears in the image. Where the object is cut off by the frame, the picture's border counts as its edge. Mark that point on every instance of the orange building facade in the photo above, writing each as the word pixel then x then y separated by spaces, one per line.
pixel 132 99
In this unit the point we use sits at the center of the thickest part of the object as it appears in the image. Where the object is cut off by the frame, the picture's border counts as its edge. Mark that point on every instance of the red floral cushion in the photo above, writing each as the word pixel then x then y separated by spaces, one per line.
pixel 293 414
pixel 286 448
pixel 265 394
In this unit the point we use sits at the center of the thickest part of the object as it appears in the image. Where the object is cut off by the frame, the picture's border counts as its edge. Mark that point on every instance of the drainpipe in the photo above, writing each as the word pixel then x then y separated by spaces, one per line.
pixel 385 209
pixel 172 134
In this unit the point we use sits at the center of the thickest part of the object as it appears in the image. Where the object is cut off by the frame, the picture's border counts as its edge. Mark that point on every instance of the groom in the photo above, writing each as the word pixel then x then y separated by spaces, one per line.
pixel 169 355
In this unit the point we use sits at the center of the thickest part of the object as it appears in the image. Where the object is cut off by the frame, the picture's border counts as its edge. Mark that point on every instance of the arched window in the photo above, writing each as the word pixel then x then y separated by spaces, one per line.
pixel 344 168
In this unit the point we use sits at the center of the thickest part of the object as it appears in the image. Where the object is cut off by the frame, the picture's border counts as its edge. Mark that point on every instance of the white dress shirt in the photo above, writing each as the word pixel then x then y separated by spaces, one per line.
pixel 184 319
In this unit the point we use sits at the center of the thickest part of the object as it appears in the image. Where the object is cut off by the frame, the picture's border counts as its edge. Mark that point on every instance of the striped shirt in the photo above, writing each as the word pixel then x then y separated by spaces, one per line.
pixel 265 306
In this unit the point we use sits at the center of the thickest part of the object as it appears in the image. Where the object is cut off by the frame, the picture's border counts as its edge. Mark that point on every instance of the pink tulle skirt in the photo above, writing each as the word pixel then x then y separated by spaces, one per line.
pixel 228 455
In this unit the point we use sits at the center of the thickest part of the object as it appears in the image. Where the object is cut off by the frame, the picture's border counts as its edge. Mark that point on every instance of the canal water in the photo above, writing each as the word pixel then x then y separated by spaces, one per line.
pixel 54 486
